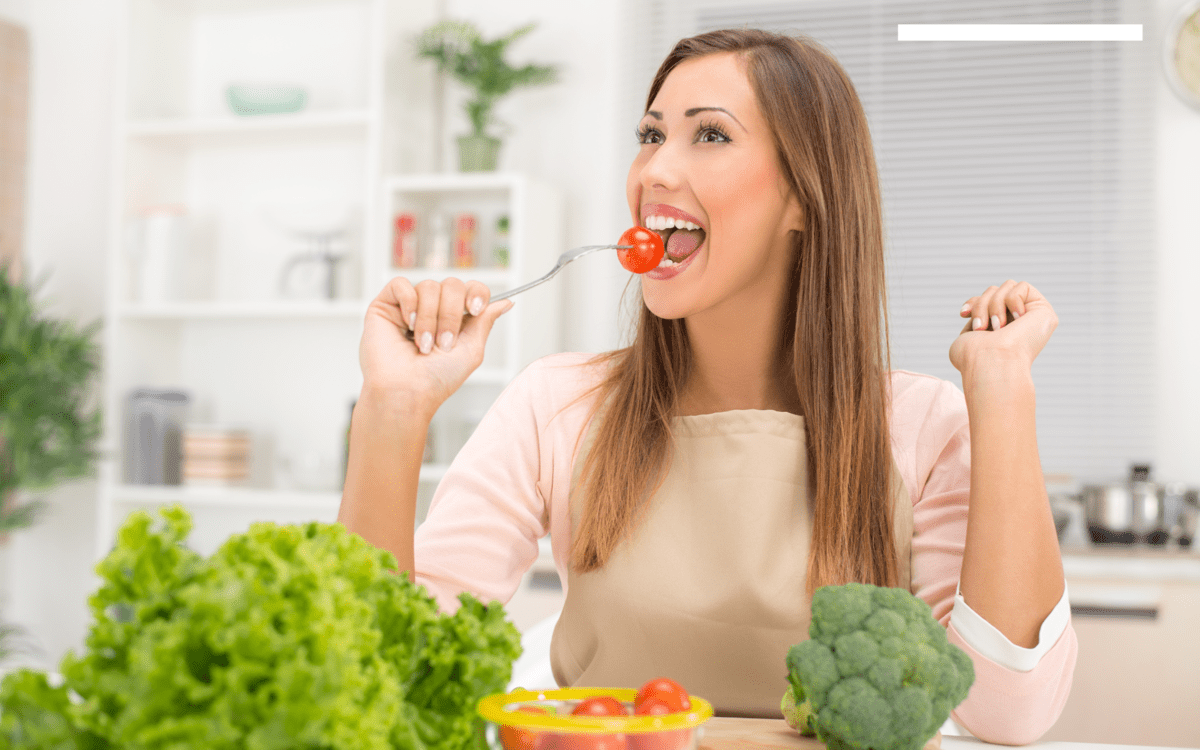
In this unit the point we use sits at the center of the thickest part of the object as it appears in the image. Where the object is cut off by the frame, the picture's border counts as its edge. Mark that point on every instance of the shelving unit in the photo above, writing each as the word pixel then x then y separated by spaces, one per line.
pixel 284 369
pixel 530 330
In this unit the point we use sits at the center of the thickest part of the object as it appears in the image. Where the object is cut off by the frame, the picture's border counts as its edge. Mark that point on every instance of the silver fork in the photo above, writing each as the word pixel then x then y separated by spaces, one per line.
pixel 563 260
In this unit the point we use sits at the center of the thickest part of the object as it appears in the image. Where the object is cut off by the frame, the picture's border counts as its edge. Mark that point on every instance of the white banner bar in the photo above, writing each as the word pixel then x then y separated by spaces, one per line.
pixel 1018 32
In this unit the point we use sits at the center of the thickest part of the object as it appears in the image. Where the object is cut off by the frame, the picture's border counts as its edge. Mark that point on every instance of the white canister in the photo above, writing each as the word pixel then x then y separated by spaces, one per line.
pixel 159 254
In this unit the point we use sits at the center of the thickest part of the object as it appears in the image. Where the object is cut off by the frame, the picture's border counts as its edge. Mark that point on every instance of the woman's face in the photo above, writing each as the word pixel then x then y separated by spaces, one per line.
pixel 707 156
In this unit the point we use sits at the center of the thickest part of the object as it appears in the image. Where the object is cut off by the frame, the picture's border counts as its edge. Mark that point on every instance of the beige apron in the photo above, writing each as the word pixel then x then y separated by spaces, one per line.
pixel 710 590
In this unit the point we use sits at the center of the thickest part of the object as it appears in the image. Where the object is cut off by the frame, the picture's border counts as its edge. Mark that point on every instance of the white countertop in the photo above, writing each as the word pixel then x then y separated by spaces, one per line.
pixel 1132 563
pixel 971 743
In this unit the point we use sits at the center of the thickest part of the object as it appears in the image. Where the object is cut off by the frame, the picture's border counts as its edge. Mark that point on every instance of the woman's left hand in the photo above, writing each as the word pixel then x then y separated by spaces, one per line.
pixel 1007 324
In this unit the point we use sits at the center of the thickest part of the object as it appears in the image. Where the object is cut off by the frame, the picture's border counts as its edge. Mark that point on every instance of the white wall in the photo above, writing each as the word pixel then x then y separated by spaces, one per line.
pixel 1178 335
pixel 15 11
pixel 563 133
pixel 71 43
pixel 70 135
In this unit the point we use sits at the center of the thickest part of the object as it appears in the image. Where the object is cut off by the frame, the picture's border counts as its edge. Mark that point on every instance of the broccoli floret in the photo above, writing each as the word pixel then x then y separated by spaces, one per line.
pixel 799 716
pixel 877 672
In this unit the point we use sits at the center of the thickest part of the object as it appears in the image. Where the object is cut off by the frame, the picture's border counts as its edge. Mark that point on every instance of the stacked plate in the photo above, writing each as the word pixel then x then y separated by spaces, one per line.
pixel 215 455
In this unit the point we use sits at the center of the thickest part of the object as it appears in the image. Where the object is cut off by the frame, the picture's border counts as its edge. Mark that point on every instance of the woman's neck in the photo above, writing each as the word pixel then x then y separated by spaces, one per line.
pixel 736 371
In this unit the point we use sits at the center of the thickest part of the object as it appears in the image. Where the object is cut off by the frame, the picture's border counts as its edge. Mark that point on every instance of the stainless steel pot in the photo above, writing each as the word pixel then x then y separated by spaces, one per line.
pixel 1188 518
pixel 1127 513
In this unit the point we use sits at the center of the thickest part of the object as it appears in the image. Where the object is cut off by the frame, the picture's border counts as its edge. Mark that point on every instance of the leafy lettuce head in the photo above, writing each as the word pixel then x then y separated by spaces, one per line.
pixel 299 636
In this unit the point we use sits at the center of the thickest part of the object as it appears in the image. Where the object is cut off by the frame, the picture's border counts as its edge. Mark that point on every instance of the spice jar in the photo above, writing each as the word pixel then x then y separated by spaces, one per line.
pixel 464 241
pixel 404 241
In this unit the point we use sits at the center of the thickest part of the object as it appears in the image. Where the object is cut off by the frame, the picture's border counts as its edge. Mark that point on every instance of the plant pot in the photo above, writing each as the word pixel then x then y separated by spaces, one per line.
pixel 477 153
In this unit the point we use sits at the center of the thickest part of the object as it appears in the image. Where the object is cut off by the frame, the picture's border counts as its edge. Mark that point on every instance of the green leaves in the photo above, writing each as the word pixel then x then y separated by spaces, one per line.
pixel 288 636
pixel 46 434
pixel 458 49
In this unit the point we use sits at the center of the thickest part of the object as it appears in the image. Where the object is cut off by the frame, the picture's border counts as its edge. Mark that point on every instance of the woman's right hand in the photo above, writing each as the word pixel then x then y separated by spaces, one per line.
pixel 392 363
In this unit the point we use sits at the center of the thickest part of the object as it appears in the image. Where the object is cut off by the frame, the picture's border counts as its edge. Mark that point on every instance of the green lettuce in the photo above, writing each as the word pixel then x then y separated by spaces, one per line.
pixel 288 637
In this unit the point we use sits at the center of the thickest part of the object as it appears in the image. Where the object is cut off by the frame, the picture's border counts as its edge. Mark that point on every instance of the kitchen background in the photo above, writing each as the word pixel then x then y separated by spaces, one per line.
pixel 1074 166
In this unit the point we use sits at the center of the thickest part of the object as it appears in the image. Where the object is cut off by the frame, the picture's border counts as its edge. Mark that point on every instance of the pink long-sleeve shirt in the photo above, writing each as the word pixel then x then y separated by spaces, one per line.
pixel 508 487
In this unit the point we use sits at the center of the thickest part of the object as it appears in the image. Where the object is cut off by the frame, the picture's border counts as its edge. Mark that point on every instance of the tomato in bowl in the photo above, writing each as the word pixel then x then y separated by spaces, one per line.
pixel 590 719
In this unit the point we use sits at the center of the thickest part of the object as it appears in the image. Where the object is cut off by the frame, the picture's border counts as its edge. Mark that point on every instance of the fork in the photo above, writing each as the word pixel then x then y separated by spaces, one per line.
pixel 563 260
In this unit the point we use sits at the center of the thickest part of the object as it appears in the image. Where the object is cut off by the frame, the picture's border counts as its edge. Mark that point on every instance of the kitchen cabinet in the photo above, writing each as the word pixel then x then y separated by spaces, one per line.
pixel 251 337
pixel 1136 613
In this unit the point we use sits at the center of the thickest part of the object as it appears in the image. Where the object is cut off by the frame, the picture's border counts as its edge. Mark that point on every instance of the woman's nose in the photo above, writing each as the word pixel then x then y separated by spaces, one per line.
pixel 663 169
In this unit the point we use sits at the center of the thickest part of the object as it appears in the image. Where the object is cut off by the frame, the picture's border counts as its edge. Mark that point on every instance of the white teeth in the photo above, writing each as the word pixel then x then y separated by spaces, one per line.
pixel 666 222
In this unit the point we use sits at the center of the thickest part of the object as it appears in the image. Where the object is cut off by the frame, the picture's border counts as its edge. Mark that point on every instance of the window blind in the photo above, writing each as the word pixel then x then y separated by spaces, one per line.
pixel 997 160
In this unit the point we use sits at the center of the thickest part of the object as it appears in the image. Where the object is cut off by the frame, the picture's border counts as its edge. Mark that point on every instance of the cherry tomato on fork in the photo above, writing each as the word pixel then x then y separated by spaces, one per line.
pixel 646 253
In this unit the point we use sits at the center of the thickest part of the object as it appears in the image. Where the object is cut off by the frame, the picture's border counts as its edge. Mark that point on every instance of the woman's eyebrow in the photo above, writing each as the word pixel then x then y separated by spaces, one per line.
pixel 694 110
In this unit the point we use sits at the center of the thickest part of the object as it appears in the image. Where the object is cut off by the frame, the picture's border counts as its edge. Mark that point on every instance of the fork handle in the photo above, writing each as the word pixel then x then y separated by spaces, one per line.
pixel 517 290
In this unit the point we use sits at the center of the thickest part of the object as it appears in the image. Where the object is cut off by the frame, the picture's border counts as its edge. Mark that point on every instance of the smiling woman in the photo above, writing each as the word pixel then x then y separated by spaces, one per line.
pixel 752 443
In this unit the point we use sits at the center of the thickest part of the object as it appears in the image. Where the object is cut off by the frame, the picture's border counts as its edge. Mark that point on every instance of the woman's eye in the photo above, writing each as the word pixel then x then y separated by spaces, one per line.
pixel 711 135
pixel 648 134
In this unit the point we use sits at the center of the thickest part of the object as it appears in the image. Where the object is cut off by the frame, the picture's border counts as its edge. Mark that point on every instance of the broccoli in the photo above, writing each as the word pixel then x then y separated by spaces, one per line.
pixel 877 672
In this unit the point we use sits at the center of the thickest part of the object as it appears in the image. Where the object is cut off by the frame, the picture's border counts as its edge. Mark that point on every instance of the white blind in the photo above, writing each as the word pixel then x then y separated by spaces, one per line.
pixel 998 160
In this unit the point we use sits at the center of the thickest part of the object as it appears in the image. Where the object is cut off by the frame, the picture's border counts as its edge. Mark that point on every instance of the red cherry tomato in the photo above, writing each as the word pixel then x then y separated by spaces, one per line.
pixel 599 706
pixel 604 705
pixel 589 742
pixel 669 739
pixel 666 690
pixel 646 253
pixel 514 738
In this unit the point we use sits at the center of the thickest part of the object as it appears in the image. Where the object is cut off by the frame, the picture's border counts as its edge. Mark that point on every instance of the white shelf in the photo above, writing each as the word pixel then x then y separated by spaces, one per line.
pixel 352 122
pixel 283 310
pixel 489 276
pixel 452 181
pixel 242 497
pixel 286 368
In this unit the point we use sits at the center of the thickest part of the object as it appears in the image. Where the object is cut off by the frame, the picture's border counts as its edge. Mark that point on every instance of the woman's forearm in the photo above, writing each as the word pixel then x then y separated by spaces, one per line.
pixel 387 442
pixel 1012 568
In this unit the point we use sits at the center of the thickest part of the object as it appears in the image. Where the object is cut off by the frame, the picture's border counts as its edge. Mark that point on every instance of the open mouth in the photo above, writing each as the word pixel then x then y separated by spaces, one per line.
pixel 680 238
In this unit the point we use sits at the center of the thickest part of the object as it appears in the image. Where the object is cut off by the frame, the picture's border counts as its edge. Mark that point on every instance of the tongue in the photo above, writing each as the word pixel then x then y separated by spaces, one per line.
pixel 683 242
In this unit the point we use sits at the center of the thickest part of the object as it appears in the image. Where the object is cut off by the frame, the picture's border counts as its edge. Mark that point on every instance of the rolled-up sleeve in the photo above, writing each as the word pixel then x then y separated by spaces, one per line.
pixel 1017 695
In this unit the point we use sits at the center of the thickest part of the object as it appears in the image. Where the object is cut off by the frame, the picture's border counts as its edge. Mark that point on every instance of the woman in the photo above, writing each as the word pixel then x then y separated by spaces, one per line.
pixel 753 443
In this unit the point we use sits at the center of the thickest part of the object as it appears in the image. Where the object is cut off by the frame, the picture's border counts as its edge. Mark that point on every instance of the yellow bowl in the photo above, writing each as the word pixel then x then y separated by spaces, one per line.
pixel 560 730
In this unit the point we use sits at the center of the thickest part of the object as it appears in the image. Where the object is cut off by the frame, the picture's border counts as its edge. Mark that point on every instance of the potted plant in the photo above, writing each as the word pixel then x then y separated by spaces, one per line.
pixel 46 434
pixel 460 50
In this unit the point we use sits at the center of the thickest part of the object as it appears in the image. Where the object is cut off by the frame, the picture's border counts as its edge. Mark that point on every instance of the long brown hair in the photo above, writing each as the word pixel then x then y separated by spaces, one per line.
pixel 834 339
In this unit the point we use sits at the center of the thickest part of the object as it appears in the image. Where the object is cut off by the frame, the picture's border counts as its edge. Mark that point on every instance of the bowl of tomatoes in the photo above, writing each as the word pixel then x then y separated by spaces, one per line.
pixel 658 716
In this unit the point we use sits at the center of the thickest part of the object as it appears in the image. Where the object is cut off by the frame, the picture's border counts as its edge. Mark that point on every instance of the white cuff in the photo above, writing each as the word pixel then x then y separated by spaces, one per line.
pixel 984 638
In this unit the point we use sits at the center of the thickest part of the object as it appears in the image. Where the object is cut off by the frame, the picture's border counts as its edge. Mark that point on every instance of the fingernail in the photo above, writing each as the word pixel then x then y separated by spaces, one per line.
pixel 426 342
pixel 476 305
pixel 966 308
pixel 445 340
pixel 995 322
pixel 976 324
pixel 1016 314
pixel 412 321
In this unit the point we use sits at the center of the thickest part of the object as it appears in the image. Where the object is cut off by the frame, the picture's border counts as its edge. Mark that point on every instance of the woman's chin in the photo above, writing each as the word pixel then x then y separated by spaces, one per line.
pixel 669 298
